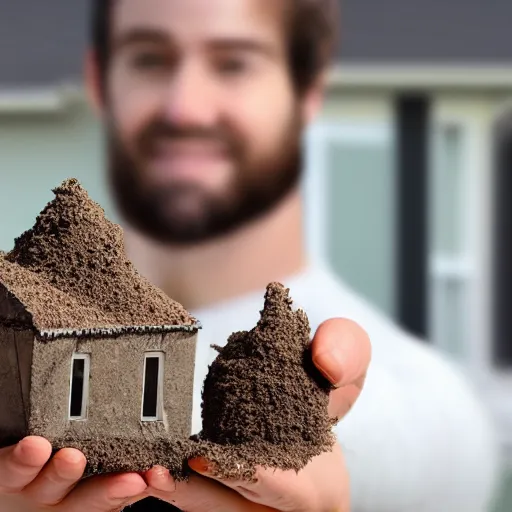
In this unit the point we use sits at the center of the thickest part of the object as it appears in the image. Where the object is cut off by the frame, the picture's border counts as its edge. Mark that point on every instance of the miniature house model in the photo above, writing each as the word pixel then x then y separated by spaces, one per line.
pixel 88 348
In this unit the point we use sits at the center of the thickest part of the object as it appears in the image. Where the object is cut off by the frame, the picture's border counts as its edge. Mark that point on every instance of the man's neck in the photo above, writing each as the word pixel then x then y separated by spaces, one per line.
pixel 267 250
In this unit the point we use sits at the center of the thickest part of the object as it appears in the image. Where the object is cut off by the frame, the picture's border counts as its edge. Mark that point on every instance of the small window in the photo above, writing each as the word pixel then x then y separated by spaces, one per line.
pixel 153 385
pixel 79 387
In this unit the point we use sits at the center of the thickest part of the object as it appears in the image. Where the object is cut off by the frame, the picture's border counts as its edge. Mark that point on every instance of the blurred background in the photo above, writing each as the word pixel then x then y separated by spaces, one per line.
pixel 409 182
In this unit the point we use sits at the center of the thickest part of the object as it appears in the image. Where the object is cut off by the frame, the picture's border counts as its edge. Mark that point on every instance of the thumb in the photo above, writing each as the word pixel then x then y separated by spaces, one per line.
pixel 342 352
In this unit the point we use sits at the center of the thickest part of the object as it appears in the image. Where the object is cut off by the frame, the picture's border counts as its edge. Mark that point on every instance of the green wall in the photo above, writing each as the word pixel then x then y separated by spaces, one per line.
pixel 504 501
pixel 37 152
pixel 361 199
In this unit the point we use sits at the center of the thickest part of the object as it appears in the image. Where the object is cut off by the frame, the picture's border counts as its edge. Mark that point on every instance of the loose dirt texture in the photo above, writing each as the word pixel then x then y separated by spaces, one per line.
pixel 71 272
pixel 264 403
pixel 115 454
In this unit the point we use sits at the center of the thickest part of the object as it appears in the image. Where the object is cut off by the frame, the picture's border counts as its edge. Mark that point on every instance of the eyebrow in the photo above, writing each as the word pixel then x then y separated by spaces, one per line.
pixel 241 44
pixel 140 35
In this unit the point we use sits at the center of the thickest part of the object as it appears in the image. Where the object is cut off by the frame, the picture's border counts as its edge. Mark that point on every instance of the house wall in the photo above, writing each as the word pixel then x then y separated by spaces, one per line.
pixel 25 347
pixel 12 417
pixel 115 386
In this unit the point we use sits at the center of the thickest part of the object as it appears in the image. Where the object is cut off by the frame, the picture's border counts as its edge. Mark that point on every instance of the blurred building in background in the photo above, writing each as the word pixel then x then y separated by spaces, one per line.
pixel 409 184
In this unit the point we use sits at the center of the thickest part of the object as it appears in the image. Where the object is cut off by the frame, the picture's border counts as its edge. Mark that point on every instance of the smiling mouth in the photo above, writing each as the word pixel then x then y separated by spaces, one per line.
pixel 188 163
pixel 207 147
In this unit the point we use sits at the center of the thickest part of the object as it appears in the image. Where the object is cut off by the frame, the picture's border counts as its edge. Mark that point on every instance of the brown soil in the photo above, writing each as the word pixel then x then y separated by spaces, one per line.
pixel 71 272
pixel 264 403
pixel 115 454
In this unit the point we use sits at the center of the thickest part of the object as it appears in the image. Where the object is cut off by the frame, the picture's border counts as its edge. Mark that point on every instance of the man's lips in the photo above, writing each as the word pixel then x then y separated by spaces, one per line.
pixel 201 147
pixel 188 162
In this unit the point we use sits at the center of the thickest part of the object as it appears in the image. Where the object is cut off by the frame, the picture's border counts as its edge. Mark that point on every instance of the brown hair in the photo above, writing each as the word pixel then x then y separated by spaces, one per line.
pixel 312 27
pixel 313 31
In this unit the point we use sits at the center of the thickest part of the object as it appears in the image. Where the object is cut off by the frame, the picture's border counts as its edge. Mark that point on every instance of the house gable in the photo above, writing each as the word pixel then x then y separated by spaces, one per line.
pixel 71 273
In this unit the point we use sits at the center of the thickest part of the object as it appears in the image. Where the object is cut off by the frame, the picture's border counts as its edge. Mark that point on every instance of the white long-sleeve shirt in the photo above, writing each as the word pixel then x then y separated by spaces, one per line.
pixel 418 439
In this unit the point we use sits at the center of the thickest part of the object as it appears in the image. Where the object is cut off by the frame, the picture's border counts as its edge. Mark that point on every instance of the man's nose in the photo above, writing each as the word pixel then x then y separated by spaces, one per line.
pixel 190 98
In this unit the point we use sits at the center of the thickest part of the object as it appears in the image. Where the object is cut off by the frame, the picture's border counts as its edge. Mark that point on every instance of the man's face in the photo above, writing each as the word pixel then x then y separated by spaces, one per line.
pixel 203 124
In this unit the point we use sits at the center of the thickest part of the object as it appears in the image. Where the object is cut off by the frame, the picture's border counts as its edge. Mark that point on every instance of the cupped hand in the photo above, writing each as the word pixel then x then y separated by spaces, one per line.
pixel 31 481
pixel 342 352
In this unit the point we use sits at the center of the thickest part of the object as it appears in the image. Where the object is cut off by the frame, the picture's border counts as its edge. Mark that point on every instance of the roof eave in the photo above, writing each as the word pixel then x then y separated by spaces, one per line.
pixel 114 332
pixel 39 98
pixel 420 76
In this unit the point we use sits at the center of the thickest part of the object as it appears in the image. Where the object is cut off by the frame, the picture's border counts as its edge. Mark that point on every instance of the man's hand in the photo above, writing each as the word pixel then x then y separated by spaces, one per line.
pixel 342 351
pixel 29 483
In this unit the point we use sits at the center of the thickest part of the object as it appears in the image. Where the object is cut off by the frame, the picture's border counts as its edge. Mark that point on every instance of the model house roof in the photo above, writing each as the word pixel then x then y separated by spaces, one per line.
pixel 68 276
pixel 42 43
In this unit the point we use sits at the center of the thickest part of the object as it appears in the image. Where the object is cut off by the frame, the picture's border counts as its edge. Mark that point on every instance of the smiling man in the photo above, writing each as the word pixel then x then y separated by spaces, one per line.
pixel 205 121
pixel 204 104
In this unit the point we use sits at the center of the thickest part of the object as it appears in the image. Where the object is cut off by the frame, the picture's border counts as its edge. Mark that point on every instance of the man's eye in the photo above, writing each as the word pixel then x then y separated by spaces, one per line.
pixel 232 66
pixel 149 61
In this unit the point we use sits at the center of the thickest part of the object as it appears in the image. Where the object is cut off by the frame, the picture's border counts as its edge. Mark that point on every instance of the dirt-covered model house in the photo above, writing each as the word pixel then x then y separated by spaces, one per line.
pixel 88 348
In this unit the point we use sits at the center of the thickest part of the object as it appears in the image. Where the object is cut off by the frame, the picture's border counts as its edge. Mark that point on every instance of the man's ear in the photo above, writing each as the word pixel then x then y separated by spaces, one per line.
pixel 313 99
pixel 93 82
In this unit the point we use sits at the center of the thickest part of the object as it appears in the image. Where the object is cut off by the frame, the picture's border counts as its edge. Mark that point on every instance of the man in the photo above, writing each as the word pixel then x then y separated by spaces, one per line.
pixel 205 102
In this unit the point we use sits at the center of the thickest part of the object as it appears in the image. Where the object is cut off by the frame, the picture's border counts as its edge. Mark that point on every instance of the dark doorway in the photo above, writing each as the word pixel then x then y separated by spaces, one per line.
pixel 413 132
pixel 502 268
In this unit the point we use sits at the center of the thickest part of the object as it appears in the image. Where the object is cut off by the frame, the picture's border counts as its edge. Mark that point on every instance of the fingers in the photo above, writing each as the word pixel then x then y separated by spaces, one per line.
pixel 20 464
pixel 342 352
pixel 24 471
pixel 282 490
pixel 105 493
pixel 321 485
pixel 57 478
pixel 198 494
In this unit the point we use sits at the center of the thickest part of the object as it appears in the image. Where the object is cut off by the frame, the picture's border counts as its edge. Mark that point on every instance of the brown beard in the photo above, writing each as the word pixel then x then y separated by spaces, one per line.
pixel 155 210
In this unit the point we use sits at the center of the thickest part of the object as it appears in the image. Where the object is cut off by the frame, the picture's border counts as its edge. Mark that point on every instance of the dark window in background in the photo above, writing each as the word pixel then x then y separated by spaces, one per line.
pixel 502 250
pixel 412 113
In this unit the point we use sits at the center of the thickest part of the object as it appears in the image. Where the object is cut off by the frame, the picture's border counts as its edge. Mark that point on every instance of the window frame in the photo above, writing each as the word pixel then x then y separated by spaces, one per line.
pixel 85 391
pixel 160 387
pixel 445 268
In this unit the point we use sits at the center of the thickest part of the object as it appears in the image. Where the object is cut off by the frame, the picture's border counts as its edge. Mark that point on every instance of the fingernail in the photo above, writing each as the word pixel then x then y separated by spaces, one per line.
pixel 66 464
pixel 161 474
pixel 74 457
pixel 200 465
pixel 331 363
pixel 21 450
